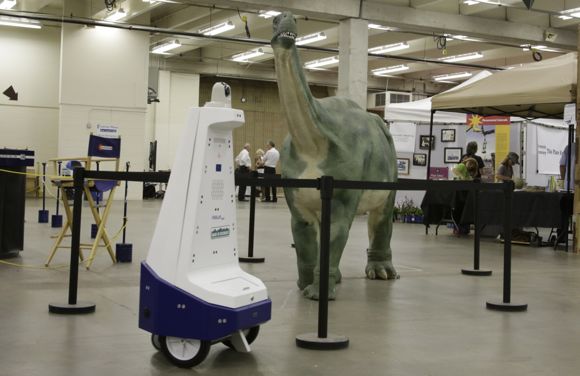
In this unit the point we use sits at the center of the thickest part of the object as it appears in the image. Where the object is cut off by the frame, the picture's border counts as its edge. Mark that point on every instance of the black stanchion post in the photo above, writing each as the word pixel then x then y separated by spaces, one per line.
pixel 94 227
pixel 56 219
pixel 322 340
pixel 506 304
pixel 43 214
pixel 251 258
pixel 124 251
pixel 430 146
pixel 476 239
pixel 73 306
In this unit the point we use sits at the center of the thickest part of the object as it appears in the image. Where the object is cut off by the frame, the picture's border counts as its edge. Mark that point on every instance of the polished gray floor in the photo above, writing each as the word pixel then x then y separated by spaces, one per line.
pixel 432 321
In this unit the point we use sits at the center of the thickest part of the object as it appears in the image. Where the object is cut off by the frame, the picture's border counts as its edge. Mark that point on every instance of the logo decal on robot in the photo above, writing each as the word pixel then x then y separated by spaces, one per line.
pixel 220 232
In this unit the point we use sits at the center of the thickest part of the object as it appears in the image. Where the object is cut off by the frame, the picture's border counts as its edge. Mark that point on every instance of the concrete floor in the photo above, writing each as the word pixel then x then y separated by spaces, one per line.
pixel 432 321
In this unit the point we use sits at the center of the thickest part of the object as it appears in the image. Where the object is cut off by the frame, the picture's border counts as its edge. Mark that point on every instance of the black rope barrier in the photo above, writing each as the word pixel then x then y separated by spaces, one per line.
pixel 324 184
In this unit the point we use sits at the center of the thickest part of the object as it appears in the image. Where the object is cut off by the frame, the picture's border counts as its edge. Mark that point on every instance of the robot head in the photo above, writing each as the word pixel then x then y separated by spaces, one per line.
pixel 221 95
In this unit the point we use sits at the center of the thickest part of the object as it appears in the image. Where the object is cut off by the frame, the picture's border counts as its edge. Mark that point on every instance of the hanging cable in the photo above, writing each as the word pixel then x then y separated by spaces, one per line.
pixel 245 21
pixel 441 43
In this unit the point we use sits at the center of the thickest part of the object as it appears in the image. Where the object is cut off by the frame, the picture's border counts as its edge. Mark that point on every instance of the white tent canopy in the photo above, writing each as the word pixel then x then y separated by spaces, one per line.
pixel 533 90
pixel 420 111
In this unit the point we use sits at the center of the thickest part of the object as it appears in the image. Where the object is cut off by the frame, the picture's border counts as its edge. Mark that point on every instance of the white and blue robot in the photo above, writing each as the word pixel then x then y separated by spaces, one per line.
pixel 193 292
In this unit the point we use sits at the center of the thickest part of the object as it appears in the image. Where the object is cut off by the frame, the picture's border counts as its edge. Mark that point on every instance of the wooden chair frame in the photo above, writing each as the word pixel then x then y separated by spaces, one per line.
pixel 66 182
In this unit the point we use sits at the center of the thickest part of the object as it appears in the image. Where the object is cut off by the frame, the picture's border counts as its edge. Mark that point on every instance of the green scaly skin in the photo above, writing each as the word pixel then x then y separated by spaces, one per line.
pixel 331 136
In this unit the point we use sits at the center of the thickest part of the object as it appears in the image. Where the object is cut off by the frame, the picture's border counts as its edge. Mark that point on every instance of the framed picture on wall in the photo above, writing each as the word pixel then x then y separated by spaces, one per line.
pixel 403 166
pixel 419 159
pixel 447 135
pixel 425 143
pixel 452 155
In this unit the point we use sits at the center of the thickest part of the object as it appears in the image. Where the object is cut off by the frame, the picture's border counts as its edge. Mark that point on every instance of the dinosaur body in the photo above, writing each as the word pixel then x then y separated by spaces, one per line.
pixel 331 136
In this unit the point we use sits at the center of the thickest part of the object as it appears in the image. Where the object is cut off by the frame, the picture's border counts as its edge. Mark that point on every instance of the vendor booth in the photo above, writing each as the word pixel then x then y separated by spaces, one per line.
pixel 410 123
pixel 532 91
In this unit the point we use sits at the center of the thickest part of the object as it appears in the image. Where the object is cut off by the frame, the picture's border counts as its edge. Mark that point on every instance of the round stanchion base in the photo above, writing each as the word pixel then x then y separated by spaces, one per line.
pixel 311 341
pixel 476 272
pixel 506 307
pixel 43 216
pixel 252 260
pixel 56 221
pixel 72 309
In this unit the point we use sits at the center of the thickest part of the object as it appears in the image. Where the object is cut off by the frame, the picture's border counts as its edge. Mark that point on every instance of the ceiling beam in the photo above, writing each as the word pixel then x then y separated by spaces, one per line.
pixel 407 18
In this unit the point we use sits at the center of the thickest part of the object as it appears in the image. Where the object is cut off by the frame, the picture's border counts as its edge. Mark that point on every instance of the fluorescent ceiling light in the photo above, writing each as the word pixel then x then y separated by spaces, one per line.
pixel 321 62
pixel 268 13
pixel 381 27
pixel 218 29
pixel 462 57
pixel 473 2
pixel 452 76
pixel 20 22
pixel 7 4
pixel 464 37
pixel 528 47
pixel 568 14
pixel 391 69
pixel 311 38
pixel 245 56
pixel 389 48
pixel 116 16
pixel 162 48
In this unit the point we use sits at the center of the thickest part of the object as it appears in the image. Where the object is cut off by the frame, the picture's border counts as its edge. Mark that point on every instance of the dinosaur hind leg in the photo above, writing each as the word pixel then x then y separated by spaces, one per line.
pixel 343 211
pixel 379 256
pixel 305 236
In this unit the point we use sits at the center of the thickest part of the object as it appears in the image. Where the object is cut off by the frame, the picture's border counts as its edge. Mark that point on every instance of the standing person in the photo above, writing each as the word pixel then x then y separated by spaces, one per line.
pixel 470 151
pixel 270 160
pixel 564 166
pixel 244 164
pixel 259 166
pixel 505 172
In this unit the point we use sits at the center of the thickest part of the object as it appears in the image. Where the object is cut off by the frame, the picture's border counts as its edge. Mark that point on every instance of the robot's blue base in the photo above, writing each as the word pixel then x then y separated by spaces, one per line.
pixel 169 311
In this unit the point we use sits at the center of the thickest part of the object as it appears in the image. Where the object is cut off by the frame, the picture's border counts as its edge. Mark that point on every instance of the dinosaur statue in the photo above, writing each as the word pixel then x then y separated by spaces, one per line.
pixel 331 136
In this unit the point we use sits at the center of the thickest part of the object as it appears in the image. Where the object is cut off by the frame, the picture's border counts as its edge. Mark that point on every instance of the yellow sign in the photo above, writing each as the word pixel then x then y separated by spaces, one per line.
pixel 502 143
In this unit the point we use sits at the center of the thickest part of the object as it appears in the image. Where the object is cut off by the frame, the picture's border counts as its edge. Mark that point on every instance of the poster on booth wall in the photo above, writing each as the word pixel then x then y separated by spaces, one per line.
pixel 404 135
pixel 484 131
pixel 550 144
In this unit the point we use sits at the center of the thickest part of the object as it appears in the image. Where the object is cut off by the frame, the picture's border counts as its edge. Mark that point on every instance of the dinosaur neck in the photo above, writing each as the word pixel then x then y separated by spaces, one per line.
pixel 298 104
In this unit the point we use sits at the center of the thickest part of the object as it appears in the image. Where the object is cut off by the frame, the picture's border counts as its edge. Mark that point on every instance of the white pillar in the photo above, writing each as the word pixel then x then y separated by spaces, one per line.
pixel 353 66
pixel 104 81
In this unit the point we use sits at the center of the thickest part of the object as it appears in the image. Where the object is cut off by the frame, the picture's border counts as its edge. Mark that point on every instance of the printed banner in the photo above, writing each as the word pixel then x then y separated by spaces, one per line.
pixel 502 143
pixel 477 120
pixel 404 135
pixel 550 146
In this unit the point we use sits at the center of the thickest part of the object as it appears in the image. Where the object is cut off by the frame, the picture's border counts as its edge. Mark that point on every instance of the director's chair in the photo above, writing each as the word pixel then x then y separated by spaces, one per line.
pixel 101 149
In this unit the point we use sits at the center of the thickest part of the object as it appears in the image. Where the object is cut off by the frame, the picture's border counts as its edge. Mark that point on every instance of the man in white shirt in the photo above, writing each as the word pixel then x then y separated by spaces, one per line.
pixel 244 165
pixel 270 160
pixel 564 166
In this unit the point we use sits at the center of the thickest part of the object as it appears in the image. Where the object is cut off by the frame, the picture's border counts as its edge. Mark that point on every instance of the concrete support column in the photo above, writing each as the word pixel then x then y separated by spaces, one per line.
pixel 352 71
pixel 103 80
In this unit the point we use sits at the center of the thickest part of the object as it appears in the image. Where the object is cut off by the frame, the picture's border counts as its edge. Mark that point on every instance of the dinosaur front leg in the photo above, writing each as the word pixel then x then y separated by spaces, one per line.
pixel 379 256
pixel 343 211
pixel 305 236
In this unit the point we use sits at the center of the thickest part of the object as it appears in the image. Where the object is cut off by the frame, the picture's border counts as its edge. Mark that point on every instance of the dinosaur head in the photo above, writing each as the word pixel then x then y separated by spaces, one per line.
pixel 284 27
